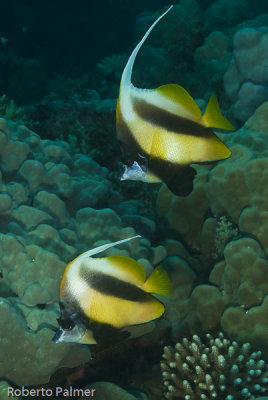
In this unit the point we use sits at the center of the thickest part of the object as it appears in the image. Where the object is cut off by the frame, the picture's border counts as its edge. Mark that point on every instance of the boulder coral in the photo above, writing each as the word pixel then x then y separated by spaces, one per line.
pixel 224 14
pixel 233 262
pixel 51 209
pixel 225 188
pixel 211 61
pixel 246 80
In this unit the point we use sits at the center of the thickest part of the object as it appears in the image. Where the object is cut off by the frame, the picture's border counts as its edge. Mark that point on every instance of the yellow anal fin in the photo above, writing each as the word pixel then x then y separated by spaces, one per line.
pixel 158 283
pixel 186 105
pixel 215 150
pixel 213 117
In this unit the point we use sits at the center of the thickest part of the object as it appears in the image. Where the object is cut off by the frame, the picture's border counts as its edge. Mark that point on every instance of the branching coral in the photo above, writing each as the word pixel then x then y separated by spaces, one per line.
pixel 225 231
pixel 9 110
pixel 214 369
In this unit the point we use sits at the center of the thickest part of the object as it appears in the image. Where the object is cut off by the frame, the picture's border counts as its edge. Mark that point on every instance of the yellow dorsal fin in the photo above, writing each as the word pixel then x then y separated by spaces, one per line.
pixel 131 269
pixel 213 117
pixel 158 283
pixel 182 98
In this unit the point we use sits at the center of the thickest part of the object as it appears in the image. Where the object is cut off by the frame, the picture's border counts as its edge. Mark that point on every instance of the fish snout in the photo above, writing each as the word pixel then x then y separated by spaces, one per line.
pixel 58 335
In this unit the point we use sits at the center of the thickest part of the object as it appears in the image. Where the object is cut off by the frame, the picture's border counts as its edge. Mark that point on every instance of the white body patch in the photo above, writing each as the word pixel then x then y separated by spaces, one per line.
pixel 126 103
pixel 75 284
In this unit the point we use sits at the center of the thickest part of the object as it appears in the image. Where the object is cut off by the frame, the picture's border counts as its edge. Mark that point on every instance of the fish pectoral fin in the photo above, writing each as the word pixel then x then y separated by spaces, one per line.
pixel 179 95
pixel 213 117
pixel 158 283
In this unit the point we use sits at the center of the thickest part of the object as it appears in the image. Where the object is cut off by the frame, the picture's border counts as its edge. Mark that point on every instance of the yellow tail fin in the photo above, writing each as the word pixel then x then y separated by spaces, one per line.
pixel 158 282
pixel 213 117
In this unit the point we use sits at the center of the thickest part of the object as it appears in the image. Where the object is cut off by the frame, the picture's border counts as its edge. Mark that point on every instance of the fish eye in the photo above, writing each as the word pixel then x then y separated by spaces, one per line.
pixel 67 324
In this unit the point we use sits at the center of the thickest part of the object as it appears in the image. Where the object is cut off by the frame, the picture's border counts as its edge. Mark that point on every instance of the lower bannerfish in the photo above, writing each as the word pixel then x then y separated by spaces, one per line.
pixel 101 297
pixel 162 131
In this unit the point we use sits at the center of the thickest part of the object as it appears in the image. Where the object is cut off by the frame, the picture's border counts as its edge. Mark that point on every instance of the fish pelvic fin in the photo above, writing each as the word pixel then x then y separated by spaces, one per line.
pixel 126 76
pixel 158 283
pixel 213 117
pixel 88 338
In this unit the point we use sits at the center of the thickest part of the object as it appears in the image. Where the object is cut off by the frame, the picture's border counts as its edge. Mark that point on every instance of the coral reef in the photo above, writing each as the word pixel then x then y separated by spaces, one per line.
pixel 246 81
pixel 180 34
pixel 211 61
pixel 51 207
pixel 193 46
pixel 23 79
pixel 56 203
pixel 226 188
pixel 9 110
pixel 243 286
pixel 232 293
pixel 223 14
pixel 213 368
pixel 80 117
pixel 225 231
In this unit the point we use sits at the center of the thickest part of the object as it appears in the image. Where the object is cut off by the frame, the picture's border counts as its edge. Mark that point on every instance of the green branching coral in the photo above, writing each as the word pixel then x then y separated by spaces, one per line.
pixel 214 369
pixel 9 110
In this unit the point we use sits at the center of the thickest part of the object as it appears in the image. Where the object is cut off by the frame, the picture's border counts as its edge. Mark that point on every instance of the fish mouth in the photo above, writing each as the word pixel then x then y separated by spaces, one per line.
pixel 57 336
pixel 134 172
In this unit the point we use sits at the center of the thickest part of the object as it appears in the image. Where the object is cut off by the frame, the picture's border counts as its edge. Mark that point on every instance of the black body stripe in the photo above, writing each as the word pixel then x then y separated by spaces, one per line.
pixel 107 334
pixel 70 307
pixel 173 123
pixel 178 178
pixel 115 287
pixel 130 146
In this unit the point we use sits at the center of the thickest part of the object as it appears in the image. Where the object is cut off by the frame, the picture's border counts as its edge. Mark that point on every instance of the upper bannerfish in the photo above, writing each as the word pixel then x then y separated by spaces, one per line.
pixel 162 131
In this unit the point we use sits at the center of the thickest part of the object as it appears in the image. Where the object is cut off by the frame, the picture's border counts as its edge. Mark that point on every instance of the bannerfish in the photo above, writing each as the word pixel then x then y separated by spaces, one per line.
pixel 162 131
pixel 103 297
